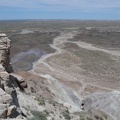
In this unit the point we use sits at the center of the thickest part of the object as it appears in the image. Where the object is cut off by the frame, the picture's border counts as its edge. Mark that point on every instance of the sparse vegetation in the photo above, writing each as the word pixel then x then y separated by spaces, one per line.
pixel 82 116
pixel 100 37
pixel 98 63
pixel 99 117
pixel 105 116
pixel 66 115
pixel 54 103
pixel 32 90
pixel 38 115
pixel 96 116
pixel 41 101
pixel 89 118
pixel 46 112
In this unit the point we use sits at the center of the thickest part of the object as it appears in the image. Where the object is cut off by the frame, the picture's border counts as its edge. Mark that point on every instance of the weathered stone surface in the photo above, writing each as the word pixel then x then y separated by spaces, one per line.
pixel 19 117
pixel 24 84
pixel 3 114
pixel 8 95
pixel 3 111
pixel 2 69
pixel 4 97
pixel 3 107
pixel 20 80
pixel 4 76
pixel 4 51
pixel 11 110
pixel 9 90
pixel 67 105
pixel 2 35
pixel 7 99
pixel 17 77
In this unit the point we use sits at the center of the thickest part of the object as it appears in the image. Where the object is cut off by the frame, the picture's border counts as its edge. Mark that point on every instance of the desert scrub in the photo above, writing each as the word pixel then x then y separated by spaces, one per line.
pixel 105 116
pixel 38 115
pixel 83 116
pixel 89 118
pixel 41 101
pixel 54 103
pixel 46 112
pixel 66 115
pixel 99 118
pixel 98 63
pixel 32 90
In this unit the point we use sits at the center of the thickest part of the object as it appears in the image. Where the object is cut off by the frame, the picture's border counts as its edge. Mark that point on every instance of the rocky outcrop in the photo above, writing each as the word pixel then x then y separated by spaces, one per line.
pixel 4 51
pixel 20 80
pixel 9 106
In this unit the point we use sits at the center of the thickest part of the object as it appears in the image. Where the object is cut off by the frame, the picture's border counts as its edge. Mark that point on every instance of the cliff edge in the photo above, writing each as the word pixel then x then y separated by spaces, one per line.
pixel 9 83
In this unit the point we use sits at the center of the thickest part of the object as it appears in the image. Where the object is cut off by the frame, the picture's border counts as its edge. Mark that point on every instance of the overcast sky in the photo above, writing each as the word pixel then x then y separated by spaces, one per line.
pixel 60 9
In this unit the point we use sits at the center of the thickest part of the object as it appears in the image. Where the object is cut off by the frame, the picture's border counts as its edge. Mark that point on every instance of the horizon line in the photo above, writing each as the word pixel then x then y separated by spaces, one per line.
pixel 59 19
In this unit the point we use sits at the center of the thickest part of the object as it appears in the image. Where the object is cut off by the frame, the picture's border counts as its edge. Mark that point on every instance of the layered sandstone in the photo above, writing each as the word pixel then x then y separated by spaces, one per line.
pixel 9 106
pixel 4 51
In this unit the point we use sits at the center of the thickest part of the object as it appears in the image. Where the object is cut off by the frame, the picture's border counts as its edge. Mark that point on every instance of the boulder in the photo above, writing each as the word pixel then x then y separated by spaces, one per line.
pixel 4 76
pixel 17 77
pixel 24 84
pixel 4 97
pixel 9 90
pixel 20 80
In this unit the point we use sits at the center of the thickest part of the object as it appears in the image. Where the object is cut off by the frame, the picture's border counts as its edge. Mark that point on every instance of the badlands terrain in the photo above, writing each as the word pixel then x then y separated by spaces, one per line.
pixel 71 69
